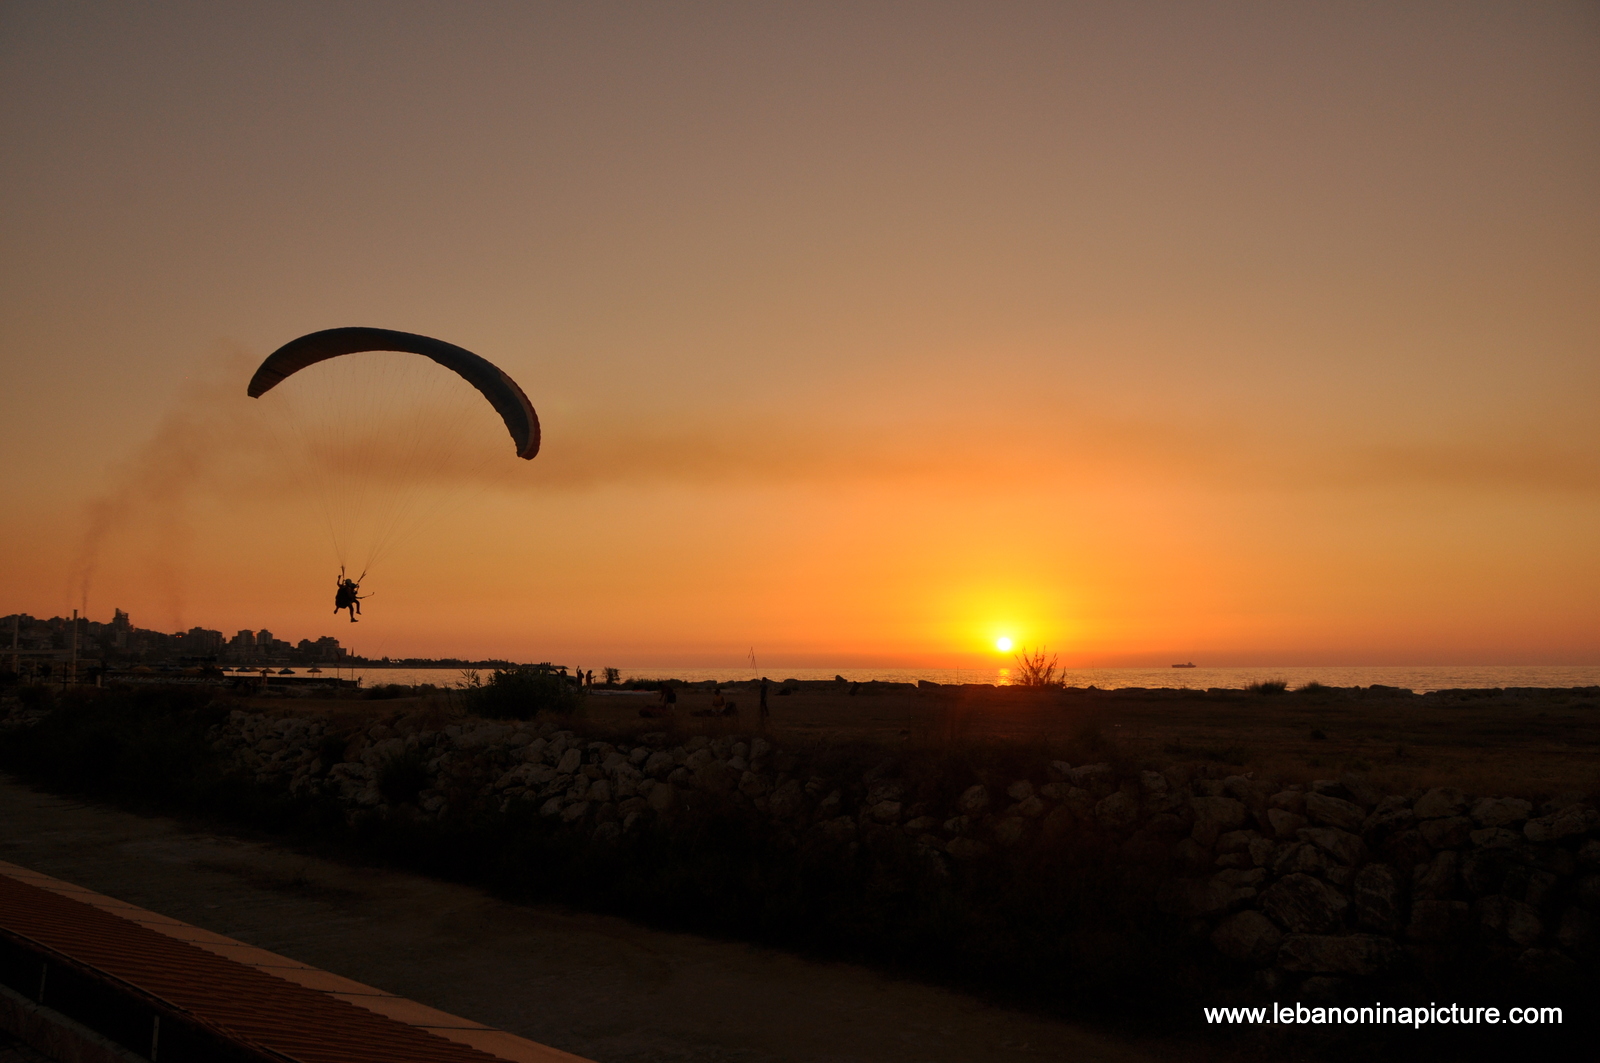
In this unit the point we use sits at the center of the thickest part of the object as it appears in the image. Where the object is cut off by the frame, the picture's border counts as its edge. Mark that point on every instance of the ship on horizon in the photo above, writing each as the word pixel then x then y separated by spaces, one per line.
pixel 1188 665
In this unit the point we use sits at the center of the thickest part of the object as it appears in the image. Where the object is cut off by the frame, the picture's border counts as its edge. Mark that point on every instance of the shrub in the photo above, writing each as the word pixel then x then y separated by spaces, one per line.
pixel 1038 669
pixel 1268 686
pixel 524 691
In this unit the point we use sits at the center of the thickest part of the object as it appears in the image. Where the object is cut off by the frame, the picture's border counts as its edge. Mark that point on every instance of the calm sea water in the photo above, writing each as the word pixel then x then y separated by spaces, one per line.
pixel 1419 678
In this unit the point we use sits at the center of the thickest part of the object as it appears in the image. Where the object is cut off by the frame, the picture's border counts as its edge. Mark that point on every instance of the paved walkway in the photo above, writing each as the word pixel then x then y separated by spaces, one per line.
pixel 592 985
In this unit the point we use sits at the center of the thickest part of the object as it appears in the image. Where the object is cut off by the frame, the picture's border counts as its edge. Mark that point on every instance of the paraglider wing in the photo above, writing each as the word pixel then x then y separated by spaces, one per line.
pixel 501 391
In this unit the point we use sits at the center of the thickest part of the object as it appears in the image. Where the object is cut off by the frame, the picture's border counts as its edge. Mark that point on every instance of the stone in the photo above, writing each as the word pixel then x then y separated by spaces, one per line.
pixel 552 807
pixel 570 761
pixel 662 798
pixel 575 811
pixel 1262 851
pixel 1248 937
pixel 1450 832
pixel 1300 858
pixel 1545 969
pixel 658 763
pixel 1253 795
pixel 1343 846
pixel 1484 871
pixel 1501 811
pixel 1020 790
pixel 1117 811
pixel 1357 954
pixel 1578 932
pixel 1009 831
pixel 1375 891
pixel 1589 854
pixel 1494 838
pixel 1438 878
pixel 1144 848
pixel 1215 815
pixel 1340 876
pixel 599 791
pixel 1096 778
pixel 1032 807
pixel 1335 812
pixel 1304 905
pixel 1540 888
pixel 1440 802
pixel 1406 849
pixel 973 800
pixel 787 800
pixel 885 791
pixel 1237 877
pixel 1289 800
pixel 957 824
pixel 1573 820
pixel 1190 855
pixel 966 848
pixel 886 811
pixel 1200 898
pixel 752 785
pixel 921 825
pixel 1284 823
pixel 1152 782
pixel 1437 921
pixel 1236 841
pixel 1516 921
pixel 1360 790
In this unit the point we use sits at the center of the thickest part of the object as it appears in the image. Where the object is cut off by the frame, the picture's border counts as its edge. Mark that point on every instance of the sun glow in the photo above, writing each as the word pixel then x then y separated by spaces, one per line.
pixel 1003 644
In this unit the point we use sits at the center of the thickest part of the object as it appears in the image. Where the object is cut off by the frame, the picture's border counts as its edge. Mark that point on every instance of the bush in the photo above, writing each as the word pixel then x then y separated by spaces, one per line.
pixel 522 692
pixel 1038 669
pixel 1268 686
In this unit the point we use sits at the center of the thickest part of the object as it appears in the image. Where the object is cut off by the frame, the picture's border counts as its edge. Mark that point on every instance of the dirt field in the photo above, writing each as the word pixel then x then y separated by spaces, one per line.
pixel 1533 743
pixel 598 986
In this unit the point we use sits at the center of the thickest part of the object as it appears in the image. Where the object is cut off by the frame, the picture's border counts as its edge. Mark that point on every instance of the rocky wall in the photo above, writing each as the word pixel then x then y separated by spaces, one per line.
pixel 1313 890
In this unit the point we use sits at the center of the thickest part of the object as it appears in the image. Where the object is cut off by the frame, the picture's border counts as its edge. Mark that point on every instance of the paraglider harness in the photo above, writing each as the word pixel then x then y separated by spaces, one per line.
pixel 348 596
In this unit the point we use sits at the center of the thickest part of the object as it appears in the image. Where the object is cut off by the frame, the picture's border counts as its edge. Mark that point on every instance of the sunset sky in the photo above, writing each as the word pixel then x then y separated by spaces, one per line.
pixel 861 334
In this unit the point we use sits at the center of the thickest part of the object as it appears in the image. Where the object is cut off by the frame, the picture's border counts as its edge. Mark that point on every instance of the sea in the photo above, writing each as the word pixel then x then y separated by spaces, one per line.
pixel 1420 678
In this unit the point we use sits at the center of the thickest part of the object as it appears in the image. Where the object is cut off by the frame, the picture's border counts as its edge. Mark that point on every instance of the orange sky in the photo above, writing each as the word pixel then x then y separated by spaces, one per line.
pixel 861 334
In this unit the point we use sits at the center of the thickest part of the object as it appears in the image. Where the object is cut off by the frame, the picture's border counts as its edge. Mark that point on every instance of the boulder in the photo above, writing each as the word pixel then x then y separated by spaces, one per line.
pixel 1356 954
pixel 575 811
pixel 1579 932
pixel 570 761
pixel 1436 880
pixel 1304 905
pixel 1117 811
pixel 1570 821
pixel 1494 838
pixel 1440 802
pixel 1501 811
pixel 1213 816
pixel 1009 831
pixel 886 811
pixel 1360 790
pixel 1343 846
pixel 1376 893
pixel 1152 782
pixel 1096 778
pixel 1436 921
pixel 1236 841
pixel 1335 812
pixel 1450 832
pixel 1201 898
pixel 1289 800
pixel 973 800
pixel 966 848
pixel 662 797
pixel 1283 822
pixel 1248 937
pixel 1032 807
pixel 1020 790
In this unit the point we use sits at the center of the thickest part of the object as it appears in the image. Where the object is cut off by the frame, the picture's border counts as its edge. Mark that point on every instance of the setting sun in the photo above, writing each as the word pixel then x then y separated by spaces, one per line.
pixel 1003 644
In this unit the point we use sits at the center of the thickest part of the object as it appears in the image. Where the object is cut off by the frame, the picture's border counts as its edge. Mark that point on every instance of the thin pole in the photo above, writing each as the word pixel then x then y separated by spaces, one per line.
pixel 72 660
pixel 16 660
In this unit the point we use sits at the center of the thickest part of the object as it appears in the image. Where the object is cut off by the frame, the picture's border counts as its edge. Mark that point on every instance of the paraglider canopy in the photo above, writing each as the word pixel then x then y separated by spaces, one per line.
pixel 502 392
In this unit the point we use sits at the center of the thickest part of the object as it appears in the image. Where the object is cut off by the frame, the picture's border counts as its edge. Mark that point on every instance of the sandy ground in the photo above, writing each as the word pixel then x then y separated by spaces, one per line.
pixel 593 985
